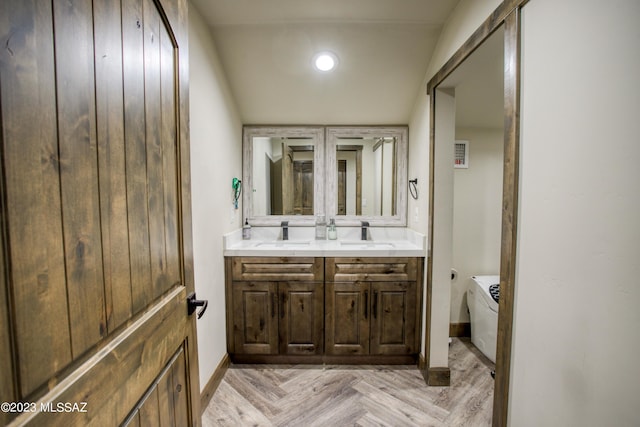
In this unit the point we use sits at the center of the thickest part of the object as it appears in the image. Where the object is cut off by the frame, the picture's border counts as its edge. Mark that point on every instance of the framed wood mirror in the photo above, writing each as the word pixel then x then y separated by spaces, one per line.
pixel 366 175
pixel 283 169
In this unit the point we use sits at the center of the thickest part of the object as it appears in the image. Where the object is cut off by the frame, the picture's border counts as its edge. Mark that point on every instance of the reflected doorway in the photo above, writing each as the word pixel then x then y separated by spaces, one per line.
pixel 291 180
pixel 349 158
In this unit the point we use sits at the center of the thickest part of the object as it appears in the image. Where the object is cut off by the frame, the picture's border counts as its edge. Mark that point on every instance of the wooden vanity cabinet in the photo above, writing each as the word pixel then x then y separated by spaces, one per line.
pixel 313 310
pixel 275 305
pixel 372 306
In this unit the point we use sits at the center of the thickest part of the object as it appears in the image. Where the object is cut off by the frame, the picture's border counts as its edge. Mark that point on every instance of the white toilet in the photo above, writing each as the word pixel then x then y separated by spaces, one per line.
pixel 484 315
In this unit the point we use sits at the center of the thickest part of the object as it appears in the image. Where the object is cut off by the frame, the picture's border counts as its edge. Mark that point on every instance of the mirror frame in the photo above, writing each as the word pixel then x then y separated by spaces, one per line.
pixel 401 133
pixel 316 134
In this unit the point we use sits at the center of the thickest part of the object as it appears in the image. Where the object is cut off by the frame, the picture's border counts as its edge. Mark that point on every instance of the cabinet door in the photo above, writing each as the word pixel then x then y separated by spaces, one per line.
pixel 393 317
pixel 347 318
pixel 255 319
pixel 301 317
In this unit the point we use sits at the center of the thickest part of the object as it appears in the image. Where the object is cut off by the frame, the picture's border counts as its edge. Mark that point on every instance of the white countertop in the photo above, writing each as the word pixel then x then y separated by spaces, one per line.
pixel 384 242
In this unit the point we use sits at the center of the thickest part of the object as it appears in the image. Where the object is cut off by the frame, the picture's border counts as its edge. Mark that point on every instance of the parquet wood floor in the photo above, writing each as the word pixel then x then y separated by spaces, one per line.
pixel 310 395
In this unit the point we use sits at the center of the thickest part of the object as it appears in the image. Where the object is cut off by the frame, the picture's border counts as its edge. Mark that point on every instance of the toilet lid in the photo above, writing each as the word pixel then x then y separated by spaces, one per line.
pixel 485 283
pixel 494 290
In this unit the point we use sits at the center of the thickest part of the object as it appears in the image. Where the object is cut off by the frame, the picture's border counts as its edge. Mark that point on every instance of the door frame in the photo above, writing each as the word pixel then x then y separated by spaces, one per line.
pixel 508 13
pixel 357 149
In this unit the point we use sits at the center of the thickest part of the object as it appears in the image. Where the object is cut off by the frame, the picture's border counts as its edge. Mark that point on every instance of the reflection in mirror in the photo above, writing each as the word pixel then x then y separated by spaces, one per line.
pixel 282 176
pixel 366 176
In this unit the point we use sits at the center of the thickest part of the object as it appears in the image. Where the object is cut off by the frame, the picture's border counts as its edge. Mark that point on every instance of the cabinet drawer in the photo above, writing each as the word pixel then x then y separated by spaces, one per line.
pixel 371 269
pixel 277 269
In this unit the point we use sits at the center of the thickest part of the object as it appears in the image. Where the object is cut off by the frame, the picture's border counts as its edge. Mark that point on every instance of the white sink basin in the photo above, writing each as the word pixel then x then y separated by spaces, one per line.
pixel 369 244
pixel 284 244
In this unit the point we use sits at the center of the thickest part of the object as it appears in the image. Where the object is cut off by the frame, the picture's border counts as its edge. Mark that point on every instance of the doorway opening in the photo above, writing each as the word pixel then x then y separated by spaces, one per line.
pixel 442 102
pixel 477 89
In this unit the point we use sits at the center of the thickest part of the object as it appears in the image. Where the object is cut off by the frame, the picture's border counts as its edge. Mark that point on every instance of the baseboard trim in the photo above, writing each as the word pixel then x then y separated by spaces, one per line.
pixel 320 359
pixel 214 382
pixel 439 377
pixel 460 329
pixel 422 363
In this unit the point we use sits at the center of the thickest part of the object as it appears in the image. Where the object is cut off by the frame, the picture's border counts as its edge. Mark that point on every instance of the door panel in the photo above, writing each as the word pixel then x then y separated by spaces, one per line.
pixel 342 187
pixel 77 147
pixel 165 403
pixel 347 318
pixel 149 412
pixel 393 322
pixel 302 318
pixel 153 116
pixel 114 379
pixel 287 180
pixel 303 187
pixel 6 364
pixel 255 314
pixel 111 158
pixel 169 139
pixel 136 165
pixel 95 207
pixel 31 193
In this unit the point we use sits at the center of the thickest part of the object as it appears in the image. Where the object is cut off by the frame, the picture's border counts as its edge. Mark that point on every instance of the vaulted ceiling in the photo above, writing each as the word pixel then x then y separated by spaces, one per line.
pixel 383 47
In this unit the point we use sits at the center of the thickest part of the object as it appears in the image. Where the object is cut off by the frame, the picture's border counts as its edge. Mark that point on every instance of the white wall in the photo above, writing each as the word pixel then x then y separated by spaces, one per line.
pixel 465 19
pixel 442 225
pixel 261 191
pixel 386 175
pixel 477 214
pixel 216 157
pixel 577 314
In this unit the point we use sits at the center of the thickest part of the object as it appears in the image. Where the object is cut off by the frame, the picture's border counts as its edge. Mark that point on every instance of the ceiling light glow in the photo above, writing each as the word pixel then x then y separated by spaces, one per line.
pixel 325 61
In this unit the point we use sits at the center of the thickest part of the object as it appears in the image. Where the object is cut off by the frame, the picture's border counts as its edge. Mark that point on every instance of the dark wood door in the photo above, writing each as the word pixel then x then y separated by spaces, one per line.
pixel 287 180
pixel 347 318
pixel 342 187
pixel 393 318
pixel 95 211
pixel 255 317
pixel 301 327
pixel 303 187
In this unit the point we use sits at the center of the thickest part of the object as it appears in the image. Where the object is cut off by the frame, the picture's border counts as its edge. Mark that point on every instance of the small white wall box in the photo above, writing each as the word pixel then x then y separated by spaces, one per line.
pixel 461 154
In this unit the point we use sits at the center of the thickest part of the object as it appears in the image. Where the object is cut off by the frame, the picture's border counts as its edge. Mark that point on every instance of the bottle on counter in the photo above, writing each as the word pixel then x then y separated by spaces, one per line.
pixel 332 231
pixel 246 230
pixel 321 227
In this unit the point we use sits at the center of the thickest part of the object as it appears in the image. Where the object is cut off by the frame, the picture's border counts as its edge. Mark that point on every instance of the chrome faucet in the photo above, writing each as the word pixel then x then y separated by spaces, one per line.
pixel 285 230
pixel 364 228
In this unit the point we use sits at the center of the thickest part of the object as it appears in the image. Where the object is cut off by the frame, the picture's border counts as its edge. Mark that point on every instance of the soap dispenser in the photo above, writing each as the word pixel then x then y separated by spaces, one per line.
pixel 333 233
pixel 246 230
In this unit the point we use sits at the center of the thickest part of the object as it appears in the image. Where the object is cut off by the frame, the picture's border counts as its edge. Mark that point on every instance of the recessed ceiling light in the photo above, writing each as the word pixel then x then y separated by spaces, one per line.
pixel 325 61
